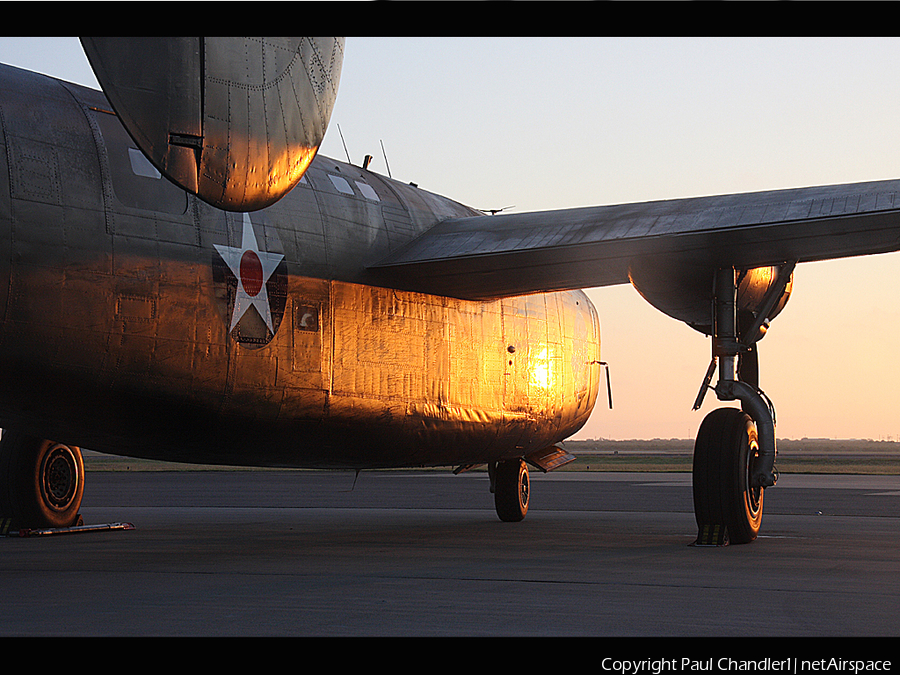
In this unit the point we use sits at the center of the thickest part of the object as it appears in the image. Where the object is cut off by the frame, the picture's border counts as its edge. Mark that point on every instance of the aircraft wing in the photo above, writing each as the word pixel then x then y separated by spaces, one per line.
pixel 487 257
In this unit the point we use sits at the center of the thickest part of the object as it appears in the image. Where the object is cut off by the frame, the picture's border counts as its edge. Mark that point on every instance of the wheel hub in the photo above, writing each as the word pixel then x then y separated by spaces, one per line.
pixel 59 477
pixel 523 489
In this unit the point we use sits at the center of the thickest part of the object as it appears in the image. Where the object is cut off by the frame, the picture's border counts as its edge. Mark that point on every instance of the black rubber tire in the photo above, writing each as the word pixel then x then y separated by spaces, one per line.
pixel 41 482
pixel 511 490
pixel 724 454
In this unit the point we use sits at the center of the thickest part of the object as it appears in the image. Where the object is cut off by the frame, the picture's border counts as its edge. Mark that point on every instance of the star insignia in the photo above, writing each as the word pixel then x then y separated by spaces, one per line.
pixel 252 268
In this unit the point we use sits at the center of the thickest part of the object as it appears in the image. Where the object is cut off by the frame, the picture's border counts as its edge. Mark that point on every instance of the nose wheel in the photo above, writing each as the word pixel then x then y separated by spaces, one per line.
pixel 511 486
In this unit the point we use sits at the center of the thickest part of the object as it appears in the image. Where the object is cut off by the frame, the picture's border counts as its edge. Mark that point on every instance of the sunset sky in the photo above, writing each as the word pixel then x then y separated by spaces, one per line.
pixel 547 123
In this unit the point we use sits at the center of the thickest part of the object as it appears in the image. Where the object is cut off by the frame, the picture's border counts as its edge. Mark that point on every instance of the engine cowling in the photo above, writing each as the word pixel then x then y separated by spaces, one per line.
pixel 686 293
pixel 234 120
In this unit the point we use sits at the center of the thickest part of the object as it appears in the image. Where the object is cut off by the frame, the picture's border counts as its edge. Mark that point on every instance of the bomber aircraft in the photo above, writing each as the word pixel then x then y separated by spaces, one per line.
pixel 183 277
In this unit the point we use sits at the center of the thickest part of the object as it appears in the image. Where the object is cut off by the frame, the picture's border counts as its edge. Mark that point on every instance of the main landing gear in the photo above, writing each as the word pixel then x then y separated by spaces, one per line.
pixel 734 454
pixel 41 483
pixel 727 503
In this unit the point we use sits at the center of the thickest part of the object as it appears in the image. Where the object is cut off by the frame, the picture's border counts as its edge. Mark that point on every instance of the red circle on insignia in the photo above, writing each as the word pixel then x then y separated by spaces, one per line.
pixel 251 273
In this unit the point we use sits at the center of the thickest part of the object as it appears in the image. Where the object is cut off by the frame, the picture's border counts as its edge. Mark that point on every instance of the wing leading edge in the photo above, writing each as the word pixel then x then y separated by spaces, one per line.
pixel 488 257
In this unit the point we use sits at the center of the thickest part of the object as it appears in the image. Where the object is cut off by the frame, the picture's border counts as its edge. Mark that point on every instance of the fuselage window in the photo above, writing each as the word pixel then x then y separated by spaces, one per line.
pixel 367 191
pixel 341 185
pixel 136 182
pixel 141 165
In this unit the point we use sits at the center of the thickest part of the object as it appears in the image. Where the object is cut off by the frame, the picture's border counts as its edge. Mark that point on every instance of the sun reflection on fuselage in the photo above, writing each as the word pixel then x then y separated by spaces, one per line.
pixel 542 375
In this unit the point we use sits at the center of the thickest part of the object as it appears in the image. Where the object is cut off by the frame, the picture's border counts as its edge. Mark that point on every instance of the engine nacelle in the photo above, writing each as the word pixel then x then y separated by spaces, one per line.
pixel 686 293
pixel 234 120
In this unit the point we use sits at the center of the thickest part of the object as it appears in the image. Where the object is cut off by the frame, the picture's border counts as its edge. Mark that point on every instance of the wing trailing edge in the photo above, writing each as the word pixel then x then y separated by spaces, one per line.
pixel 488 257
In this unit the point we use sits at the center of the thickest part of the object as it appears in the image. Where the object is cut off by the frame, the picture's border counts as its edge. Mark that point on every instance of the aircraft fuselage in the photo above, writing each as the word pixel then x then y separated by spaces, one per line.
pixel 135 319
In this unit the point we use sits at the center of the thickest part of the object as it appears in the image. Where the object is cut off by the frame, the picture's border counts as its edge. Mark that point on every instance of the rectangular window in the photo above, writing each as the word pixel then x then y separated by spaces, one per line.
pixel 307 318
pixel 340 184
pixel 367 191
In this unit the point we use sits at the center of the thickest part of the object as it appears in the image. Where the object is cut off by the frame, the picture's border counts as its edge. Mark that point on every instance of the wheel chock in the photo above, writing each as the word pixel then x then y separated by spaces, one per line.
pixel 76 529
pixel 712 535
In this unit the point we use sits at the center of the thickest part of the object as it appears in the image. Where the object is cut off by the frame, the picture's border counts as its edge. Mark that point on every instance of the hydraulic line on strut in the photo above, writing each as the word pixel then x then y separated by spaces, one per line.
pixel 726 348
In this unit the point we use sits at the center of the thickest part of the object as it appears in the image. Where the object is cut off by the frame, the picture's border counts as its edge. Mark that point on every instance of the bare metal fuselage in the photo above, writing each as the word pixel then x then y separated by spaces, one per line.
pixel 136 319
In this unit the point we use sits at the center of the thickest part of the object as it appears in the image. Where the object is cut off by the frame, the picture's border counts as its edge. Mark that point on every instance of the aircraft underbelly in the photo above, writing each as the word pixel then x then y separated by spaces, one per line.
pixel 354 376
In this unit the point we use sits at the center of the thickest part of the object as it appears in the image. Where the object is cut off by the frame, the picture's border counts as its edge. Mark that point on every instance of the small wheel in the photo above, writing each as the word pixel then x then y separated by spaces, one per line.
pixel 511 490
pixel 725 453
pixel 41 482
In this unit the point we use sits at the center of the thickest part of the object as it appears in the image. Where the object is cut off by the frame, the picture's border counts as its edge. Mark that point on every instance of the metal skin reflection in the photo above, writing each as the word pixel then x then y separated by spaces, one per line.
pixel 135 321
pixel 542 375
pixel 234 120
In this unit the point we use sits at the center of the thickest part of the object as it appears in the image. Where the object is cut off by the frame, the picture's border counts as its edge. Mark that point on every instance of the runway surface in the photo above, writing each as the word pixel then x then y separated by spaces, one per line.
pixel 423 554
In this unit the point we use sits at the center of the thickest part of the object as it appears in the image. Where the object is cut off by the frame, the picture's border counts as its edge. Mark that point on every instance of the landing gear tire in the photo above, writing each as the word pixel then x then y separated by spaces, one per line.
pixel 41 482
pixel 724 456
pixel 511 490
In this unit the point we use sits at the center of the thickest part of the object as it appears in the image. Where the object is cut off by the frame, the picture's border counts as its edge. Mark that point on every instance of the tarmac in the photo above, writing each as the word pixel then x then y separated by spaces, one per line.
pixel 406 553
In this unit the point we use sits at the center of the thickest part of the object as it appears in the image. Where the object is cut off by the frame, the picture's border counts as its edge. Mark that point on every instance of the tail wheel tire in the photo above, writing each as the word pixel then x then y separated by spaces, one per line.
pixel 41 481
pixel 512 487
pixel 725 453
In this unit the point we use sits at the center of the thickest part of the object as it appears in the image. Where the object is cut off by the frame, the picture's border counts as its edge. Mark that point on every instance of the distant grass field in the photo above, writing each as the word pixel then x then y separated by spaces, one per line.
pixel 863 457
pixel 794 456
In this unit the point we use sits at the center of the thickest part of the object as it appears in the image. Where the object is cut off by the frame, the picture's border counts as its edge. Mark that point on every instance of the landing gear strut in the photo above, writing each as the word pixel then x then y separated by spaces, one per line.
pixel 41 482
pixel 734 455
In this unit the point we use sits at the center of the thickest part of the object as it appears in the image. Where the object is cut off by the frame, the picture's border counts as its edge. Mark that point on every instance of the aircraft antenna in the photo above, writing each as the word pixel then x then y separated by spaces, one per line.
pixel 385 160
pixel 344 144
pixel 494 212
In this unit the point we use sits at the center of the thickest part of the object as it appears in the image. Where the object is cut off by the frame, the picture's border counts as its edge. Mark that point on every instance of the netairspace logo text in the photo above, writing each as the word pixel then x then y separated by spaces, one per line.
pixel 789 666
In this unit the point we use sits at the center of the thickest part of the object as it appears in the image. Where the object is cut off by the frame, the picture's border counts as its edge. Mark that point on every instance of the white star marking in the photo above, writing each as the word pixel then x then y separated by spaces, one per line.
pixel 252 268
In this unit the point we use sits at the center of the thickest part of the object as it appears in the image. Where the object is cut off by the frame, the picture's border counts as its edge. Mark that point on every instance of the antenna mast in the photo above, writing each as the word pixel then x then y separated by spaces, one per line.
pixel 345 145
pixel 385 160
